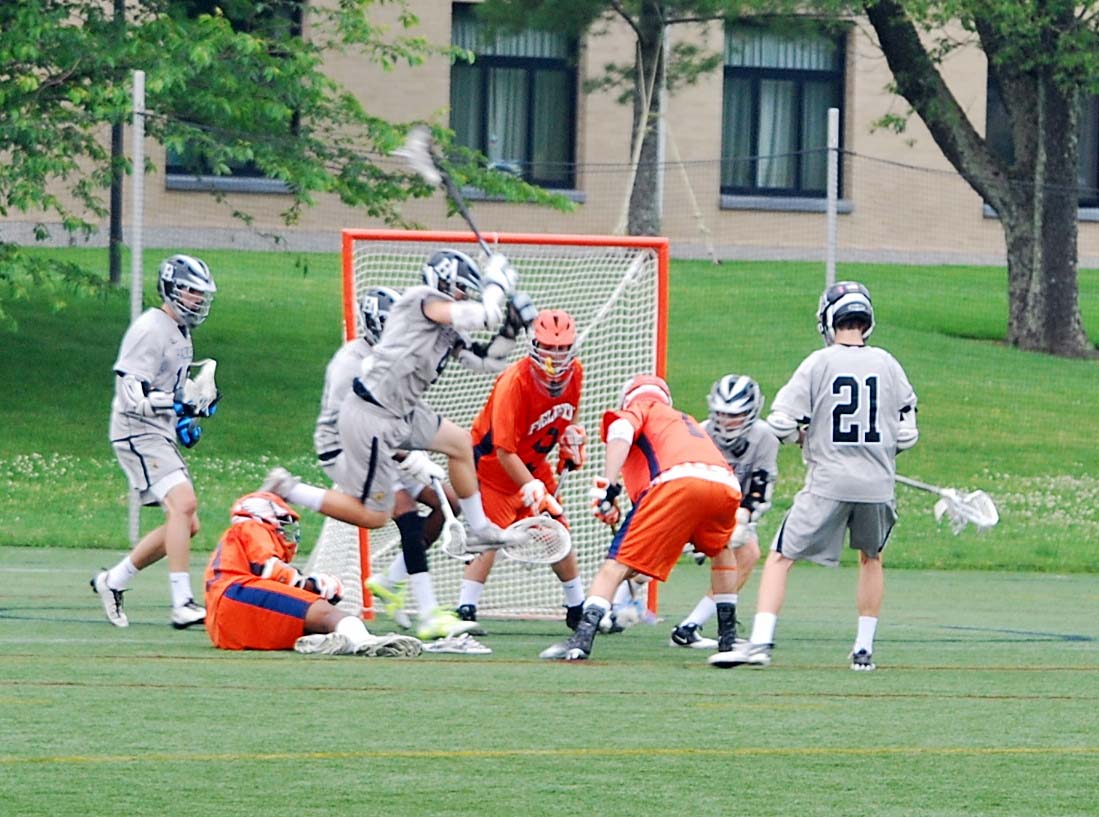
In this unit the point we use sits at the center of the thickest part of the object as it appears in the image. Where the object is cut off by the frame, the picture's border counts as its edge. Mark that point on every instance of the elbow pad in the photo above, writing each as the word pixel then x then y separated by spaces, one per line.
pixel 757 499
pixel 621 429
pixel 783 426
pixel 907 433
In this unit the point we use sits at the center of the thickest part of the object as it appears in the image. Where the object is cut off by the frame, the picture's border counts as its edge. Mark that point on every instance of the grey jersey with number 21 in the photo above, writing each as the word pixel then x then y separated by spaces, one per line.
pixel 851 397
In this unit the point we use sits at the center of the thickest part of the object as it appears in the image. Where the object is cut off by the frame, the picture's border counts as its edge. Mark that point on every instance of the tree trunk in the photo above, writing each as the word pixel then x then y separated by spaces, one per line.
pixel 1041 235
pixel 644 214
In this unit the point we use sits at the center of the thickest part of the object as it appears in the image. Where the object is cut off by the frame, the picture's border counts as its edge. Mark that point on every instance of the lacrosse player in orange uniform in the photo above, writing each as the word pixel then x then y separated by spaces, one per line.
pixel 255 600
pixel 681 490
pixel 531 409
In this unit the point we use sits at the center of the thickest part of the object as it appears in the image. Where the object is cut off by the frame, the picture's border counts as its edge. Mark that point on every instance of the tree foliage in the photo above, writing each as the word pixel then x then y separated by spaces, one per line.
pixel 228 83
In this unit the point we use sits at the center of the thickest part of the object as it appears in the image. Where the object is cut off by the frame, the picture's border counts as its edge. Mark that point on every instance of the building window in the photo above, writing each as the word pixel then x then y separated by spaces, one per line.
pixel 778 89
pixel 516 103
pixel 998 137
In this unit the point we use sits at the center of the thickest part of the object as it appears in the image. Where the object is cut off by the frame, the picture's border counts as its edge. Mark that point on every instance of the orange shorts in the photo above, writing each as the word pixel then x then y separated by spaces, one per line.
pixel 504 507
pixel 668 516
pixel 258 614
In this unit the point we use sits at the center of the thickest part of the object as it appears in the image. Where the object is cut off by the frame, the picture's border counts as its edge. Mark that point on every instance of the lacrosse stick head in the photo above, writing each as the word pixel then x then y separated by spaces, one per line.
pixel 416 151
pixel 453 540
pixel 961 509
pixel 537 540
pixel 201 392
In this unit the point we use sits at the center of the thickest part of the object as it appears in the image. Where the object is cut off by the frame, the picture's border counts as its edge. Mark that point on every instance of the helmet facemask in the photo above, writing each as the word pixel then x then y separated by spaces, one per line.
pixel 186 285
pixel 553 334
pixel 271 511
pixel 735 402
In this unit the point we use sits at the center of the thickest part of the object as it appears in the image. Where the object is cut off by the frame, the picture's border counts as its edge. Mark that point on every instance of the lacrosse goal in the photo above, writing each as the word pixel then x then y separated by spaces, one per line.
pixel 616 289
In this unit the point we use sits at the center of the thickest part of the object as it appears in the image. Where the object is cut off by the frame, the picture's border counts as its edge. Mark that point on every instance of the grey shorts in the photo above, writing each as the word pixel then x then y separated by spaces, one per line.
pixel 152 464
pixel 369 435
pixel 814 527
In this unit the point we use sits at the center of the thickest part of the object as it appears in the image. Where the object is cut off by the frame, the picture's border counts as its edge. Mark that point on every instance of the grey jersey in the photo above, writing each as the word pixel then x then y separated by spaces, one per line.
pixel 158 351
pixel 412 352
pixel 852 398
pixel 344 367
pixel 759 453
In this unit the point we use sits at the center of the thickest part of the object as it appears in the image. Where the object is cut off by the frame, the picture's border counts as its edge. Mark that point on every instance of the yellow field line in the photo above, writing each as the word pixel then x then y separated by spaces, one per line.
pixel 465 754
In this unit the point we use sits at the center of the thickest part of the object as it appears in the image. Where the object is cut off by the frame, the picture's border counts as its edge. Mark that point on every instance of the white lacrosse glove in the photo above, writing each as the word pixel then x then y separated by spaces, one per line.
pixel 745 531
pixel 500 273
pixel 538 499
pixel 139 399
pixel 571 450
pixel 420 467
pixel 278 570
pixel 325 585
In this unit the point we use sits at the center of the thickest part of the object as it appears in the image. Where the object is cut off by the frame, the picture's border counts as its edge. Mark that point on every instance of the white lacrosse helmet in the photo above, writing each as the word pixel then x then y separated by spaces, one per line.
pixel 451 271
pixel 644 385
pixel 270 510
pixel 185 284
pixel 843 300
pixel 735 402
pixel 374 311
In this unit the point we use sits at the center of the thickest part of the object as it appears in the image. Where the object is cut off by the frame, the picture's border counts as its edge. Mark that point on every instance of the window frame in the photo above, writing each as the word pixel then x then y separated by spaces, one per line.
pixel 531 66
pixel 756 75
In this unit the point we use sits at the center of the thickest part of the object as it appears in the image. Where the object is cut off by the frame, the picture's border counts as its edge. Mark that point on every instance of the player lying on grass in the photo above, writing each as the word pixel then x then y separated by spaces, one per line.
pixel 386 412
pixel 411 482
pixel 853 410
pixel 752 452
pixel 152 414
pixel 256 600
pixel 530 411
pixel 681 490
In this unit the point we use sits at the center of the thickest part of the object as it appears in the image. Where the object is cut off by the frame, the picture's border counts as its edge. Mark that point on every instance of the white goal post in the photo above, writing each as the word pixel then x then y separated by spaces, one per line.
pixel 617 290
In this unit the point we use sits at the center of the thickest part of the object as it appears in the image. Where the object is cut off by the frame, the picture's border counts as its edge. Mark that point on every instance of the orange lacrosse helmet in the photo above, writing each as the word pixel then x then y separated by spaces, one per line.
pixel 644 385
pixel 552 336
pixel 270 510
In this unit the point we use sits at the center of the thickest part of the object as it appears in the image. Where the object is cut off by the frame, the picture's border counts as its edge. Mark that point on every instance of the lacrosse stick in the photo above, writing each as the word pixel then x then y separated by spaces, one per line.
pixel 417 151
pixel 453 534
pixel 960 508
pixel 542 540
pixel 201 393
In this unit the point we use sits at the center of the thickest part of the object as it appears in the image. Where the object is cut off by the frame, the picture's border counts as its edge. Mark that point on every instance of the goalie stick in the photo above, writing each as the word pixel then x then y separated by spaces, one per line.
pixel 417 151
pixel 960 508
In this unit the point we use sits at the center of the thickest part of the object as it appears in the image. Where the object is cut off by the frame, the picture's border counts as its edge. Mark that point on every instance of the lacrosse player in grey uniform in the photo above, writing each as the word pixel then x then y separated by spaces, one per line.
pixel 412 484
pixel 149 415
pixel 752 451
pixel 385 411
pixel 853 409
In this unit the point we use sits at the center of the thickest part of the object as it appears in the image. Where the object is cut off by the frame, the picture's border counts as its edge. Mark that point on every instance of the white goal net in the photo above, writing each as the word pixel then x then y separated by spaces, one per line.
pixel 615 288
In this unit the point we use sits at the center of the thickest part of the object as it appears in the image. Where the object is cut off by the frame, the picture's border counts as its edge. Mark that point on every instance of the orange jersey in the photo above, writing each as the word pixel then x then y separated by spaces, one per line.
pixel 663 437
pixel 242 552
pixel 520 416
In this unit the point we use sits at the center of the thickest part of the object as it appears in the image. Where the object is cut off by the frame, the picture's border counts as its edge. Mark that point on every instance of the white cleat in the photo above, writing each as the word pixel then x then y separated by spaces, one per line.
pixel 444 624
pixel 463 644
pixel 111 599
pixel 187 615
pixel 324 644
pixel 390 645
pixel 746 654
pixel 279 481
pixel 689 635
pixel 862 661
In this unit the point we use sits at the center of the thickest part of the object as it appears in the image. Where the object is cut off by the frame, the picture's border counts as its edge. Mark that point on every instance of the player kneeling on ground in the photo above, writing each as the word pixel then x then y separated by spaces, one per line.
pixel 255 600
pixel 681 490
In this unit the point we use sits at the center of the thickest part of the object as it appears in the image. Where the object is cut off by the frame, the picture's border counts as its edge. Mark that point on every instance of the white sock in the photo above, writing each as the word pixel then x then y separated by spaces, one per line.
pixel 470 592
pixel 725 598
pixel 598 601
pixel 119 576
pixel 703 612
pixel 868 626
pixel 763 628
pixel 353 630
pixel 474 512
pixel 574 592
pixel 622 594
pixel 308 496
pixel 423 593
pixel 397 572
pixel 181 588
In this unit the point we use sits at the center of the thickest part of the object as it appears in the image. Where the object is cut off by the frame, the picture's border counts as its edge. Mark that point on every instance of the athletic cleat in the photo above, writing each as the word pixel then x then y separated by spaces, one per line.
pixel 111 599
pixel 565 651
pixel 393 600
pixel 579 645
pixel 187 615
pixel 324 644
pixel 467 612
pixel 279 481
pixel 862 661
pixel 573 615
pixel 688 635
pixel 746 654
pixel 443 624
pixel 463 644
pixel 390 645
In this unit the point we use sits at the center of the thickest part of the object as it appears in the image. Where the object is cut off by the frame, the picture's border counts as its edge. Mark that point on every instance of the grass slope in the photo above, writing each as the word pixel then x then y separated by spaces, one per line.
pixel 1013 423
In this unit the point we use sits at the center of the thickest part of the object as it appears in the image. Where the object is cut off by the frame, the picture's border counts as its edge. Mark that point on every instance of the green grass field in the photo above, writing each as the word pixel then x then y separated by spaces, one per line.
pixel 986 703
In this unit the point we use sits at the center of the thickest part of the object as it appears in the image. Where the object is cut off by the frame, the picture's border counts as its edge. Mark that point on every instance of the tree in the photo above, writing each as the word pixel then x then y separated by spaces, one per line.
pixel 220 92
pixel 1043 55
pixel 638 83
